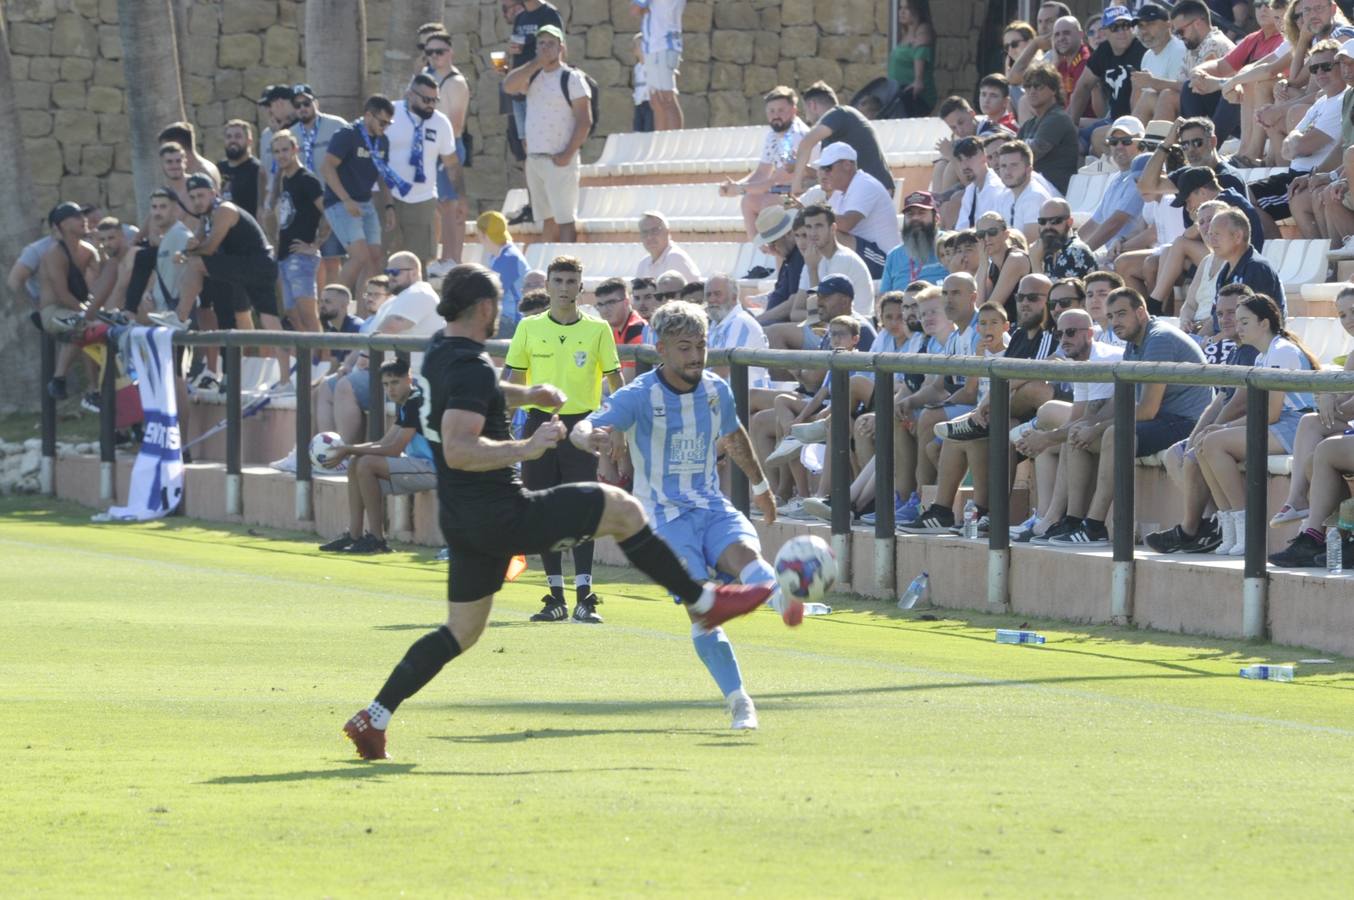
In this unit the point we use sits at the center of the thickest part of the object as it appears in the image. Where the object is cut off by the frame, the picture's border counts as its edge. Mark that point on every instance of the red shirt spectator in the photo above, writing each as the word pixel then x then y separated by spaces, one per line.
pixel 630 332
pixel 1253 46
pixel 1070 69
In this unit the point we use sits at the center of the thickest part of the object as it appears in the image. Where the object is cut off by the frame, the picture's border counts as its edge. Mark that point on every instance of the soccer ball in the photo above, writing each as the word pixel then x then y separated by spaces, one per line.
pixel 322 445
pixel 806 568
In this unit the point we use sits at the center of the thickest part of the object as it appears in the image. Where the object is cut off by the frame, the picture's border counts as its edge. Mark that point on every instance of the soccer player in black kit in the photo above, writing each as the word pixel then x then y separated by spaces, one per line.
pixel 487 516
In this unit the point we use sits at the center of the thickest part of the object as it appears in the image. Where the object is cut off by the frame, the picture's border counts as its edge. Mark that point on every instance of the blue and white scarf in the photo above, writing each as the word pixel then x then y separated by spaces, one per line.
pixel 389 175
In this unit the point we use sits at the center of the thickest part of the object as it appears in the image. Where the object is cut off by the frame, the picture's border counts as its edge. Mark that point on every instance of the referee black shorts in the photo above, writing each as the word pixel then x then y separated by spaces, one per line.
pixel 484 535
pixel 565 464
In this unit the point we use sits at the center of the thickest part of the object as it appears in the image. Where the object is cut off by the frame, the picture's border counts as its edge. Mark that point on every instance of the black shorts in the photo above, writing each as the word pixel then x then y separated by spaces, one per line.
pixel 483 536
pixel 253 277
pixel 873 256
pixel 1271 194
pixel 143 270
pixel 565 464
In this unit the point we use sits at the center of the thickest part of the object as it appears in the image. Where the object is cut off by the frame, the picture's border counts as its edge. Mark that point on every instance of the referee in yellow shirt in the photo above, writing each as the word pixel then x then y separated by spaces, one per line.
pixel 573 352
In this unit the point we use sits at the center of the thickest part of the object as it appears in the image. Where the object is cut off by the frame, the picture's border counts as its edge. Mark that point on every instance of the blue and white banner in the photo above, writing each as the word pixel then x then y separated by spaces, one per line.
pixel 157 477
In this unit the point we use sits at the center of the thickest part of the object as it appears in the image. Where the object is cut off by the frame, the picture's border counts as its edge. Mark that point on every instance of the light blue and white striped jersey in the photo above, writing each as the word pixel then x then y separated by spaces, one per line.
pixel 1284 354
pixel 672 440
pixel 740 329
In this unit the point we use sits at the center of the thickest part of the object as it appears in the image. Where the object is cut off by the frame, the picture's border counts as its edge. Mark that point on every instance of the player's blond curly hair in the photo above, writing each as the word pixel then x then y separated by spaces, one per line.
pixel 678 319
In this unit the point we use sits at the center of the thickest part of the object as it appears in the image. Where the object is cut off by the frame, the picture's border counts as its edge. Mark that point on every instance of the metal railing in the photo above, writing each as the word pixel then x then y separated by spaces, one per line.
pixel 1124 376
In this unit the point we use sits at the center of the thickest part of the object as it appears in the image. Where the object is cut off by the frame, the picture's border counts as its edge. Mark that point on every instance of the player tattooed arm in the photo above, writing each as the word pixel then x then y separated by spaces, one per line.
pixel 739 448
pixel 466 449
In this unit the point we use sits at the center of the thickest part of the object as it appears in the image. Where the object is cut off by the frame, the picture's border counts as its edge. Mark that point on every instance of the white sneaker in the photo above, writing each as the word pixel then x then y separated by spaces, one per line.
pixel 1239 529
pixel 440 268
pixel 814 432
pixel 792 510
pixel 168 319
pixel 286 463
pixel 744 713
pixel 816 506
pixel 785 450
pixel 1345 250
pixel 1228 533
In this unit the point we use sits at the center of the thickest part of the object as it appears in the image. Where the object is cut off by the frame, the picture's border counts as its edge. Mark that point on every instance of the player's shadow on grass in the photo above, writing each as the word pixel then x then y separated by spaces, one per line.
pixel 356 770
pixel 513 737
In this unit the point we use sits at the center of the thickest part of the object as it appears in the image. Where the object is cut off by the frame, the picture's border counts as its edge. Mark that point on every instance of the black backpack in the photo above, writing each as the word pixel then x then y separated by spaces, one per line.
pixel 592 88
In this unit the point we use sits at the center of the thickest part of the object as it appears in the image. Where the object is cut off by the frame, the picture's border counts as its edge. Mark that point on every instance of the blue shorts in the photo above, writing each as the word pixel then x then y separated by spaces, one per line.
pixel 700 536
pixel 1155 435
pixel 360 379
pixel 297 272
pixel 1084 133
pixel 332 248
pixel 1285 430
pixel 347 229
pixel 445 189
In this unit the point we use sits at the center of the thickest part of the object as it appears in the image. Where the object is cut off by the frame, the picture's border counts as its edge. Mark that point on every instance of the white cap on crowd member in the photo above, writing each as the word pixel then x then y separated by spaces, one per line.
pixel 1129 125
pixel 835 153
pixel 1346 49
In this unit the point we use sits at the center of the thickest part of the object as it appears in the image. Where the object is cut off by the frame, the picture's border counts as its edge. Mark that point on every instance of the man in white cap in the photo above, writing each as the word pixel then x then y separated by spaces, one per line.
pixel 775 232
pixel 1120 210
pixel 866 222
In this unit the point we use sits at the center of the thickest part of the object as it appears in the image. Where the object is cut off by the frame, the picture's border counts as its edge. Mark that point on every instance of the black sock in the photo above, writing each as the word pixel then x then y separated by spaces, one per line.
pixel 1154 306
pixel 583 566
pixel 421 663
pixel 655 559
pixel 553 563
pixel 1093 524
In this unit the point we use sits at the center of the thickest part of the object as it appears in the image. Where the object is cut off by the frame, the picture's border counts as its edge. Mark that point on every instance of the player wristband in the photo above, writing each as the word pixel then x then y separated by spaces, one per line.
pixel 760 488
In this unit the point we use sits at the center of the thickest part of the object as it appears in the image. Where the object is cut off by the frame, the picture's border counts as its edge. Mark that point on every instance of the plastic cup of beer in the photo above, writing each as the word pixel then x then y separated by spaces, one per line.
pixel 500 60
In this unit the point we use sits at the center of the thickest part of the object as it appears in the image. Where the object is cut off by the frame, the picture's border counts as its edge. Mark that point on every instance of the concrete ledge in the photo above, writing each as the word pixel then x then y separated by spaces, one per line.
pixel 1188 594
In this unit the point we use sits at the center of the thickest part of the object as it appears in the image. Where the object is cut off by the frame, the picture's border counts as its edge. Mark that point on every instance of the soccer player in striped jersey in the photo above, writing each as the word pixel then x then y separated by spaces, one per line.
pixel 673 417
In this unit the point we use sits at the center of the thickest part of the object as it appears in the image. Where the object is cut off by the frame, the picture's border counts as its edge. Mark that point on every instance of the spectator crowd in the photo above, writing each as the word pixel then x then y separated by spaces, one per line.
pixel 330 225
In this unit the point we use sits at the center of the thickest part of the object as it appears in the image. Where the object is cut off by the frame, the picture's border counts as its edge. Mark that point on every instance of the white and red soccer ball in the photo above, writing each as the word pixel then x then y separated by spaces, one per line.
pixel 806 568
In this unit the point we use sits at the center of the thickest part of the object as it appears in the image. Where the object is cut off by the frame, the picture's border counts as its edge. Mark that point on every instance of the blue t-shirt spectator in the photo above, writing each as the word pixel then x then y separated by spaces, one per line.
pixel 511 267
pixel 1121 195
pixel 900 270
pixel 1162 342
pixel 356 170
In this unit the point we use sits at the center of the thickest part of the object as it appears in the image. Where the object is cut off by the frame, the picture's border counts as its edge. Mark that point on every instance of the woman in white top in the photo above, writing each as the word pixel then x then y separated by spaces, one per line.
pixel 1221 453
pixel 1196 315
pixel 1332 416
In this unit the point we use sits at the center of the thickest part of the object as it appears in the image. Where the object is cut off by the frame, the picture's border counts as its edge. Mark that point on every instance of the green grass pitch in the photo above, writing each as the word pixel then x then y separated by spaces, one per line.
pixel 174 692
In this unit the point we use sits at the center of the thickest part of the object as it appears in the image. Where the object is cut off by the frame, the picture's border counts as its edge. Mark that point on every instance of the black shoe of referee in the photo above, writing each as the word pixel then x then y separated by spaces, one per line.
pixel 585 610
pixel 553 611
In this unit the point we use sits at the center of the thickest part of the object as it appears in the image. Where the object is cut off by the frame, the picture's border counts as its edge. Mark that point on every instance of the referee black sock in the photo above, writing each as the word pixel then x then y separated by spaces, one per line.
pixel 655 559
pixel 421 663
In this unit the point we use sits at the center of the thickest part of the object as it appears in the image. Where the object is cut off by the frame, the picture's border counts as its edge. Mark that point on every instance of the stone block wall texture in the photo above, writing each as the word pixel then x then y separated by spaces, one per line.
pixel 72 96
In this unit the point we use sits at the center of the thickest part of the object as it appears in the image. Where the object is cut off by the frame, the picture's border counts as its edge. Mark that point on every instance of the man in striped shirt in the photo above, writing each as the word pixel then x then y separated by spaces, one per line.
pixel 673 417
pixel 732 326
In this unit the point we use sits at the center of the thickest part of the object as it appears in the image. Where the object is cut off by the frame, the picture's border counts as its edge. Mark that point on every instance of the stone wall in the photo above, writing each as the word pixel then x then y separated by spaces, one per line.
pixel 69 80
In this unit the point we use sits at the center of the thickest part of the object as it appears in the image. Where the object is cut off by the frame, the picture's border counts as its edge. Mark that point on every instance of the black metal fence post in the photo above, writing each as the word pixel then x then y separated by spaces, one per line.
pixel 1255 583
pixel 234 432
pixel 840 462
pixel 47 475
pixel 738 382
pixel 303 428
pixel 1125 442
pixel 998 494
pixel 108 411
pixel 376 398
pixel 885 537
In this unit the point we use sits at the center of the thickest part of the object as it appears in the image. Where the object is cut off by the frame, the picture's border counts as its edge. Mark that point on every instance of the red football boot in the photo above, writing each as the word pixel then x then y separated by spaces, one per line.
pixel 369 740
pixel 732 601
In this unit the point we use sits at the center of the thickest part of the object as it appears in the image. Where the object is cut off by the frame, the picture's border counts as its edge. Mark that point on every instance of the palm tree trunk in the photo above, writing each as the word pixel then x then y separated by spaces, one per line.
pixel 180 10
pixel 150 64
pixel 401 58
pixel 18 226
pixel 336 54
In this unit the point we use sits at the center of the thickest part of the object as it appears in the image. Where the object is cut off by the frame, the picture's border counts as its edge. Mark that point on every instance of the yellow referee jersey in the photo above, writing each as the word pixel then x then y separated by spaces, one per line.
pixel 571 357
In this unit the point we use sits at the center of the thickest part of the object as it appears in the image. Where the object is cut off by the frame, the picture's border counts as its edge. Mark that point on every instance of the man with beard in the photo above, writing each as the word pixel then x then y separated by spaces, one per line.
pixel 240 170
pixel 419 136
pixel 866 222
pixel 1119 212
pixel 281 111
pixel 182 133
pixel 963 122
pixel 301 230
pixel 1204 43
pixel 914 259
pixel 982 187
pixel 1059 252
pixel 777 164
pixel 335 300
pixel 1198 138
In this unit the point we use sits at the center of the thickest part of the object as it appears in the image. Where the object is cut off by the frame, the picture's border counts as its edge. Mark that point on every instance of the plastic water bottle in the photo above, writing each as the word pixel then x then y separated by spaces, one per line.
pixel 919 589
pixel 1016 636
pixel 1335 556
pixel 1268 673
pixel 817 609
pixel 971 520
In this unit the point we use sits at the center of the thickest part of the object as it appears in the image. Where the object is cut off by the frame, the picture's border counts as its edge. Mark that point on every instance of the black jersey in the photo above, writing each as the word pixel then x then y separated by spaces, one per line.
pixel 457 374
